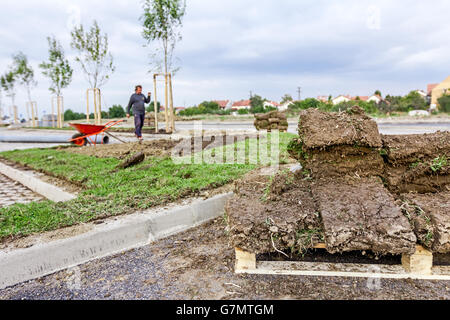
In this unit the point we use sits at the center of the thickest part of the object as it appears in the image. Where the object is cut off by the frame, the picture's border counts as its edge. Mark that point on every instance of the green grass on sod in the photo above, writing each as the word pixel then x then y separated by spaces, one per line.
pixel 109 192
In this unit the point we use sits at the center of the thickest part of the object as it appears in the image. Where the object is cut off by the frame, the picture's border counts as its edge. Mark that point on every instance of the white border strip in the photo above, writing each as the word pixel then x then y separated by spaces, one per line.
pixel 378 271
pixel 126 233
pixel 47 190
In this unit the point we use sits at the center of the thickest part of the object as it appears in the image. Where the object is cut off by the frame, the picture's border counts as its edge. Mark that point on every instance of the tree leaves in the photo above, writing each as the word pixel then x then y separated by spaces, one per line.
pixel 58 69
pixel 94 57
pixel 161 20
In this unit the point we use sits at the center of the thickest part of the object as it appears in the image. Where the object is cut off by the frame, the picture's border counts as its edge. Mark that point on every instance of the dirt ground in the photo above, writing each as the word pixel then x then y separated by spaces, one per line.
pixel 199 264
pixel 152 148
pixel 159 148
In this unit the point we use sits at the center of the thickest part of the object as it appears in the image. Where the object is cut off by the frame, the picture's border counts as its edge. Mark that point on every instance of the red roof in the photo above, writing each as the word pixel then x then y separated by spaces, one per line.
pixel 430 88
pixel 322 98
pixel 242 103
pixel 222 103
pixel 362 98
pixel 345 96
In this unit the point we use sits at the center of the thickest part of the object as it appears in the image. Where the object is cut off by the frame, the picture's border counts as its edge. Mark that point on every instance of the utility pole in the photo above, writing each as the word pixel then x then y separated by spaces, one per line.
pixel 251 94
pixel 299 90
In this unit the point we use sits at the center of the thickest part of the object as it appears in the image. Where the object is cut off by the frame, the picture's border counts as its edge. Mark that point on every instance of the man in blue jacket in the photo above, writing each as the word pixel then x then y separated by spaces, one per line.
pixel 138 101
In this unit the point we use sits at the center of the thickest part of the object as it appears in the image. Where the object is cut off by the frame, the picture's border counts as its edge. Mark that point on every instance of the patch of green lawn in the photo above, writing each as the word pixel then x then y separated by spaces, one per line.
pixel 110 192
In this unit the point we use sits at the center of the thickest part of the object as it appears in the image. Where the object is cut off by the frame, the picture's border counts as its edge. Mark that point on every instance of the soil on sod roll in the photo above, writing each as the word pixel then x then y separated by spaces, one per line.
pixel 421 179
pixel 320 129
pixel 337 144
pixel 360 214
pixel 344 160
pixel 417 163
pixel 408 149
pixel 429 215
pixel 269 214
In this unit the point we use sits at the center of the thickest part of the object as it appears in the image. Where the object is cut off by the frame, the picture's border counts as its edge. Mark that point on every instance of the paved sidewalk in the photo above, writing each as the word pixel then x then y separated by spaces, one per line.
pixel 13 192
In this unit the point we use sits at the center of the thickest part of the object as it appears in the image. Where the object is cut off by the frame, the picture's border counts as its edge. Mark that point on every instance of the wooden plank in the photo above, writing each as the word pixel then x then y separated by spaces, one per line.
pixel 245 260
pixel 421 262
pixel 323 270
pixel 416 266
pixel 320 246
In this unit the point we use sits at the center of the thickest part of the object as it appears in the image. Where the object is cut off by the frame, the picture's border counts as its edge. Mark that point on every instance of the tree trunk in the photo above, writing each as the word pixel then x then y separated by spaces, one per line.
pixel 166 102
pixel 29 100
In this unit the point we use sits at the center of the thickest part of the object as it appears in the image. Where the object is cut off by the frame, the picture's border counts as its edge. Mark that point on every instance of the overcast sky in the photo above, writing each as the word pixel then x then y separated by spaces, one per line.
pixel 232 47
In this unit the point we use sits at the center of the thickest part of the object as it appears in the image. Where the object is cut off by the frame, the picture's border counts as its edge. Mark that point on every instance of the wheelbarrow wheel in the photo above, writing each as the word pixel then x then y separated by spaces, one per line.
pixel 79 142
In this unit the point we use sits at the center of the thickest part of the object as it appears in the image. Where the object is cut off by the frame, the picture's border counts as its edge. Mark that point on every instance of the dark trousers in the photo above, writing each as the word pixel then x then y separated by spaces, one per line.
pixel 139 123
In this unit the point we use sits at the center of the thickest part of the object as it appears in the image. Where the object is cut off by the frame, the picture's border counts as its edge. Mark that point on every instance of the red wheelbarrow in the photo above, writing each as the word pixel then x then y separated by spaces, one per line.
pixel 88 131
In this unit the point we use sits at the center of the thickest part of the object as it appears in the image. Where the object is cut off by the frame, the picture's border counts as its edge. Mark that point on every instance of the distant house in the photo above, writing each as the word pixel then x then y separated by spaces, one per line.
pixel 439 91
pixel 175 109
pixel 243 104
pixel 272 104
pixel 224 104
pixel 422 93
pixel 178 109
pixel 323 98
pixel 285 106
pixel 341 98
pixel 430 88
pixel 361 98
pixel 375 98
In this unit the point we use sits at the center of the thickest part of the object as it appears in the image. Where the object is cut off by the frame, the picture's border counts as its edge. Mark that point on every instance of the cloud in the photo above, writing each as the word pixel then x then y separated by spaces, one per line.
pixel 229 48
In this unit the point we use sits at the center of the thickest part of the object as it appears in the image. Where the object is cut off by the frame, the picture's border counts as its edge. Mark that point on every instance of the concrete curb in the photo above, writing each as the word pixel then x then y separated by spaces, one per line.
pixel 49 191
pixel 127 233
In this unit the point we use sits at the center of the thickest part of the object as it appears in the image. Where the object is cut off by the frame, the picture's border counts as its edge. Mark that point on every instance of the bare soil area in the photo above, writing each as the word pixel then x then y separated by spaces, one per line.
pixel 160 148
pixel 152 148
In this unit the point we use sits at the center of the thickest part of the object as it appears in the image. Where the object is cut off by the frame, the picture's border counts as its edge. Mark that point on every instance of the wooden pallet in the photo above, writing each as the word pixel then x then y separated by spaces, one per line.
pixel 416 266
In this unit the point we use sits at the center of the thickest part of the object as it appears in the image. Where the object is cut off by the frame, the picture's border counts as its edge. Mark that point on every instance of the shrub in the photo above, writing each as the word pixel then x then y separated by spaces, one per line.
pixel 116 111
pixel 69 115
pixel 206 107
pixel 444 103
pixel 414 101
pixel 306 104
